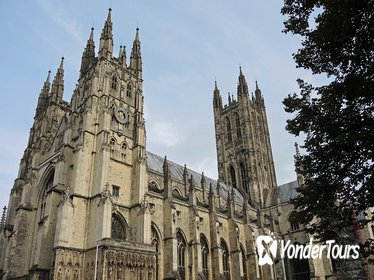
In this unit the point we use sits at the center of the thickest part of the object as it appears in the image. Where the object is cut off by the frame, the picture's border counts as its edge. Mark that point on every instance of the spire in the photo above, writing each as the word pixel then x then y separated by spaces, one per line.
pixel 106 38
pixel 242 84
pixel 136 57
pixel 58 83
pixel 217 99
pixel 89 52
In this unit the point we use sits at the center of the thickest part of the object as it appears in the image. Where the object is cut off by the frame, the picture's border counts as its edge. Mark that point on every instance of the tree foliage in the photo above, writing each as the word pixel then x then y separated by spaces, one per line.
pixel 336 118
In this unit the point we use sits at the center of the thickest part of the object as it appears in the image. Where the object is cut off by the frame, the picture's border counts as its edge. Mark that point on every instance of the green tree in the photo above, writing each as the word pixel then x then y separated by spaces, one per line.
pixel 337 118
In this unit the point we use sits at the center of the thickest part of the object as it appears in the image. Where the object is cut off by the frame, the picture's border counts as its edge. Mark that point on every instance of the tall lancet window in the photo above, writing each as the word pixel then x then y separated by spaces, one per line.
pixel 243 261
pixel 43 199
pixel 225 260
pixel 118 228
pixel 233 177
pixel 204 255
pixel 243 174
pixel 156 243
pixel 129 89
pixel 228 130
pixel 114 82
pixel 237 124
pixel 181 255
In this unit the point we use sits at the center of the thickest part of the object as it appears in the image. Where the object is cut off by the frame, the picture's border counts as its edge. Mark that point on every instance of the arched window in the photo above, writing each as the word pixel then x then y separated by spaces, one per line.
pixel 112 146
pixel 237 124
pixel 156 243
pixel 243 174
pixel 243 261
pixel 118 228
pixel 232 175
pixel 228 130
pixel 43 200
pixel 114 82
pixel 204 255
pixel 128 91
pixel 123 151
pixel 181 255
pixel 225 260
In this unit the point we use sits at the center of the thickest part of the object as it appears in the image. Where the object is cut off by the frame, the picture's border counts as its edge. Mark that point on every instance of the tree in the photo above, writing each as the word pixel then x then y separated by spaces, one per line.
pixel 336 118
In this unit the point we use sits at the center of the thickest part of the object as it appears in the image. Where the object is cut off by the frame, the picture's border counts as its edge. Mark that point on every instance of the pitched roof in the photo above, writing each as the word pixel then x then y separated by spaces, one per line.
pixel 281 194
pixel 155 163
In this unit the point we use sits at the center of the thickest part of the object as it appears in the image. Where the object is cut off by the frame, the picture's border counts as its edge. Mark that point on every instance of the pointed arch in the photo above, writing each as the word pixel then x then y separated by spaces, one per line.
pixel 205 255
pixel 156 241
pixel 119 226
pixel 225 259
pixel 181 254
pixel 47 184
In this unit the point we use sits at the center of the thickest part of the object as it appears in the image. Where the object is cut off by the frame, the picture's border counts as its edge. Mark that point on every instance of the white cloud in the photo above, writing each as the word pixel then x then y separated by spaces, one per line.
pixel 60 16
pixel 163 133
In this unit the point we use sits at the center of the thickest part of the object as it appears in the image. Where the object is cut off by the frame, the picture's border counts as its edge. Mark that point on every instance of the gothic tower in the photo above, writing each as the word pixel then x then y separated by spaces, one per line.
pixel 83 178
pixel 244 155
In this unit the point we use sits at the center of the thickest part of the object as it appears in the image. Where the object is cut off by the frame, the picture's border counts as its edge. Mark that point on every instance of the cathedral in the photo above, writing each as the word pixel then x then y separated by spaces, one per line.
pixel 91 202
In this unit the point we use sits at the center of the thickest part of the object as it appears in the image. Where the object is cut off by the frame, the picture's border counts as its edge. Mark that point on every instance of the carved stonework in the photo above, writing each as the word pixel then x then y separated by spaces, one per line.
pixel 146 207
pixel 128 265
pixel 67 265
pixel 105 196
pixel 66 200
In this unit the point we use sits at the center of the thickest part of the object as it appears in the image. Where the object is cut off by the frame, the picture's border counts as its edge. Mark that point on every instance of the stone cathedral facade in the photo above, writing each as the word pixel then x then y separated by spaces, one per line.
pixel 90 199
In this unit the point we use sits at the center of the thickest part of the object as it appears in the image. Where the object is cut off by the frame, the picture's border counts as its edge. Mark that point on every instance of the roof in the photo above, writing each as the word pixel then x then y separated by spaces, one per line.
pixel 281 194
pixel 155 163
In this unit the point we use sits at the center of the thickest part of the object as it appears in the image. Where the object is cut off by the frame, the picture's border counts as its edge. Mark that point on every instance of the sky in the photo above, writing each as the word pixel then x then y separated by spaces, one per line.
pixel 186 45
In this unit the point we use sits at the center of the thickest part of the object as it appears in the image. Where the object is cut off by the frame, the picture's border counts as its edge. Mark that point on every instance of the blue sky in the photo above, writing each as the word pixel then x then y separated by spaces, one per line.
pixel 185 46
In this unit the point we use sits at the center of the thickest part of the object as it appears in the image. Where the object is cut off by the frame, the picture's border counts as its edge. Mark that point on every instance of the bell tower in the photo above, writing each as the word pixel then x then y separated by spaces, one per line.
pixel 244 155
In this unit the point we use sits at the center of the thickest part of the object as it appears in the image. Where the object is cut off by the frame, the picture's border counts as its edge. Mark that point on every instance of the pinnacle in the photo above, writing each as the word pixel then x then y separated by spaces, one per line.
pixel 137 34
pixel 91 34
pixel 109 18
pixel 48 77
pixel 61 64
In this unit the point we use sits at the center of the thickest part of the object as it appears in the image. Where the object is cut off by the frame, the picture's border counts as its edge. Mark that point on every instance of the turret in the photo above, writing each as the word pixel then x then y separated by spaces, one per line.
pixel 136 57
pixel 58 84
pixel 89 53
pixel 106 39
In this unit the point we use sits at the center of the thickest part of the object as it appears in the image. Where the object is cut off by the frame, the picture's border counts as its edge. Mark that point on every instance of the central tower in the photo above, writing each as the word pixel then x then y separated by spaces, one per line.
pixel 244 155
